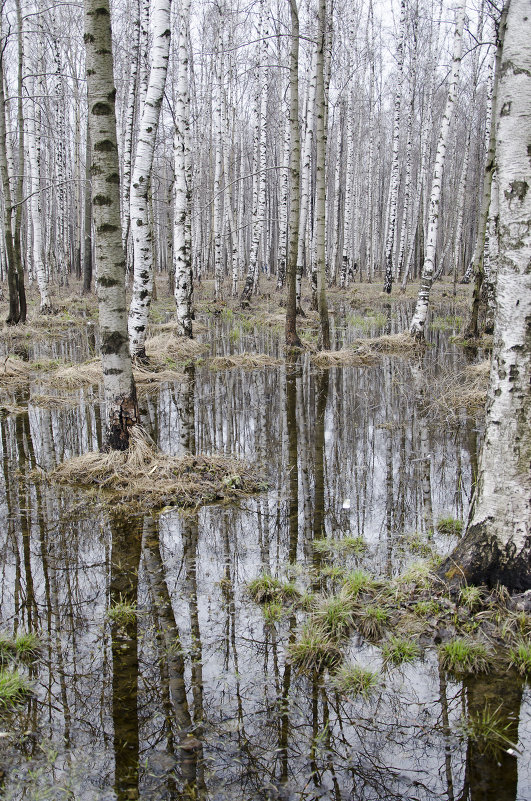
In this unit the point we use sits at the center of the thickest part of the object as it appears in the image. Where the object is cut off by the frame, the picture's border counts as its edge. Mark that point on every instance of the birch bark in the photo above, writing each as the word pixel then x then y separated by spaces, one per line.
pixel 142 234
pixel 320 181
pixel 120 393
pixel 292 338
pixel 182 223
pixel 497 543
pixel 395 173
pixel 421 310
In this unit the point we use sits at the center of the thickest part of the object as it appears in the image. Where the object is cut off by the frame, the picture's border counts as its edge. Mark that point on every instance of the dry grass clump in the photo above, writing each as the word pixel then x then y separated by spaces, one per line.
pixel 13 368
pixel 144 375
pixel 248 361
pixel 146 475
pixel 464 390
pixel 346 357
pixel 46 401
pixel 77 375
pixel 166 345
pixel 314 651
pixel 393 343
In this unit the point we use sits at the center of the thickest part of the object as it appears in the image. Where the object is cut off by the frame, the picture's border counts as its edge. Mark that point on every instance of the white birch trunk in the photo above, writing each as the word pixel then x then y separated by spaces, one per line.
pixel 395 173
pixel 305 177
pixel 421 311
pixel 141 230
pixel 218 161
pixel 283 206
pixel 260 209
pixel 119 386
pixel 127 149
pixel 497 543
pixel 33 144
pixel 349 188
pixel 182 223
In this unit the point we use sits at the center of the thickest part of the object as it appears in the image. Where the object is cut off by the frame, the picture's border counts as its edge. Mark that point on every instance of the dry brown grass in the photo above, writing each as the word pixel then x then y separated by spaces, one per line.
pixel 77 375
pixel 392 343
pixel 366 351
pixel 248 361
pixel 167 345
pixel 465 390
pixel 144 375
pixel 13 368
pixel 346 357
pixel 145 475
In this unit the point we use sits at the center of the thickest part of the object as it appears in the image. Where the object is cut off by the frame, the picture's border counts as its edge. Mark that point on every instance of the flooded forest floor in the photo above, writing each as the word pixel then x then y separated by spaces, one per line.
pixel 253 612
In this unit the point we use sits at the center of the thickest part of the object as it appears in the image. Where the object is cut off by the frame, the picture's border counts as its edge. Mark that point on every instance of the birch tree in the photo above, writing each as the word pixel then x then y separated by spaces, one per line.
pixel 395 173
pixel 292 338
pixel 119 386
pixel 497 543
pixel 421 310
pixel 320 182
pixel 142 233
pixel 182 223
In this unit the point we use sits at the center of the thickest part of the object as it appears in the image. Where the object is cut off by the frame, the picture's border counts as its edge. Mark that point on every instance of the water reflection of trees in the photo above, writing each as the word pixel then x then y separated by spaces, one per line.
pixel 195 695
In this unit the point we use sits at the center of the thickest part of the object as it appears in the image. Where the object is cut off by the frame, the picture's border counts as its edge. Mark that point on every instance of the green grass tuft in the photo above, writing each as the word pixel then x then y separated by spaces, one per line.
pixel 355 680
pixel 333 615
pixel 122 613
pixel 358 581
pixel 426 608
pixel 273 612
pixel 449 526
pixel 267 589
pixel 14 688
pixel 464 656
pixel 399 650
pixel 7 647
pixel 372 621
pixel 520 656
pixel 471 597
pixel 27 645
pixel 314 651
pixel 487 730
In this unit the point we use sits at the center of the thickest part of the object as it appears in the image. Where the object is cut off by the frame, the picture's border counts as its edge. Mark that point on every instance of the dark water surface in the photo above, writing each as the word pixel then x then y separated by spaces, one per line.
pixel 192 696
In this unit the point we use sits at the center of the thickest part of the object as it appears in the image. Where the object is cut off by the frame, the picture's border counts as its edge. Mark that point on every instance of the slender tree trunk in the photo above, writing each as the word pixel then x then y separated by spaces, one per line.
pixel 395 172
pixel 142 233
pixel 320 182
pixel 306 179
pixel 87 222
pixel 421 310
pixel 497 544
pixel 182 222
pixel 292 338
pixel 120 393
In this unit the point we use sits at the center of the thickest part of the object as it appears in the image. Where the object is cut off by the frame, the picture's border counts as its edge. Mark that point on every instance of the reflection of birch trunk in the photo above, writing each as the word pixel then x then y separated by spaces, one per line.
pixel 125 560
pixel 293 466
pixel 419 382
pixel 417 328
pixel 169 640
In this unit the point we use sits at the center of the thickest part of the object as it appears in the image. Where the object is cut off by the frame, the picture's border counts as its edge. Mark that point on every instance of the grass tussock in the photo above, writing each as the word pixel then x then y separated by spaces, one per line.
pixel 393 343
pixel 464 656
pixel 266 589
pixel 355 680
pixel 247 361
pixel 162 346
pixel 520 657
pixel 329 545
pixel 487 729
pixel 465 390
pixel 76 375
pixel 314 651
pixel 333 615
pixel 14 688
pixel 372 621
pixel 346 357
pixel 400 650
pixel 146 475
pixel 12 368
